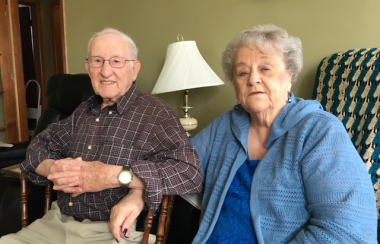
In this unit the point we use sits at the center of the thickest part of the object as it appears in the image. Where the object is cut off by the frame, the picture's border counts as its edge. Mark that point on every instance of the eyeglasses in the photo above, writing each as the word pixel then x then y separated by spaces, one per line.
pixel 116 62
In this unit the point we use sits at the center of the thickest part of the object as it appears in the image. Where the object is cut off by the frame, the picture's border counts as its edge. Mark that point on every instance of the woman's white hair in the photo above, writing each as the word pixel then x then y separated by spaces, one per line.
pixel 267 38
pixel 127 39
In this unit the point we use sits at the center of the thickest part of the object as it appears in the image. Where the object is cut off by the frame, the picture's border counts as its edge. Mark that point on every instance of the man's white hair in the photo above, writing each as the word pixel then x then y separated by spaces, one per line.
pixel 127 39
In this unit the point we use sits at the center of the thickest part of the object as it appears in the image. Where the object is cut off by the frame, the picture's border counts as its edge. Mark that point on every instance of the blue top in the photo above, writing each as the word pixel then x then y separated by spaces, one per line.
pixel 310 187
pixel 234 224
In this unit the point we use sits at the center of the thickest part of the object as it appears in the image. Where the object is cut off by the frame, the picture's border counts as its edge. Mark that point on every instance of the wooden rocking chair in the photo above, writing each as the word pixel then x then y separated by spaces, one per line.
pixel 164 218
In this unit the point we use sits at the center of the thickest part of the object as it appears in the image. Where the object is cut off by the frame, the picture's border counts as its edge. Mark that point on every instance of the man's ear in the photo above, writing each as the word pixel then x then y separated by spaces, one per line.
pixel 136 69
pixel 87 65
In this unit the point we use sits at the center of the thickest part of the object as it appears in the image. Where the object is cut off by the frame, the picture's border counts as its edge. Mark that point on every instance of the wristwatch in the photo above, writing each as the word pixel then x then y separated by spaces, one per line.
pixel 125 177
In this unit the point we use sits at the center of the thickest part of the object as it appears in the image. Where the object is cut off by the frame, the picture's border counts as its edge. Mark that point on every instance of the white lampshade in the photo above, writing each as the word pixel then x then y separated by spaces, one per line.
pixel 184 69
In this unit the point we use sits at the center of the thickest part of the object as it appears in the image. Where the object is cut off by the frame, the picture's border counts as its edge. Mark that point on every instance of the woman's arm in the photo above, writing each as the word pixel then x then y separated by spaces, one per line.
pixel 338 190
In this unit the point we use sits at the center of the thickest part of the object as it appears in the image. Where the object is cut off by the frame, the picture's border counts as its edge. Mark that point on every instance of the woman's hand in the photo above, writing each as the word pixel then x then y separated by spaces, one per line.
pixel 125 212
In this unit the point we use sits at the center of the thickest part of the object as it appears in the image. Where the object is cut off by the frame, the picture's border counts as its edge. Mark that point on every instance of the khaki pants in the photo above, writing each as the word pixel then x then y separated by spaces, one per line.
pixel 56 227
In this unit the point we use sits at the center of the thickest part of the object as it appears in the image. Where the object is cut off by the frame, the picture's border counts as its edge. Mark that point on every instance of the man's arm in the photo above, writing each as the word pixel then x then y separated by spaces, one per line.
pixel 47 155
pixel 77 176
pixel 51 144
pixel 170 166
pixel 43 168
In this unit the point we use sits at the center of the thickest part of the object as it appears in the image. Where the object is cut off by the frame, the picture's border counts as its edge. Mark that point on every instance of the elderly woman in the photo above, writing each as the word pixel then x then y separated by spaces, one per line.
pixel 277 168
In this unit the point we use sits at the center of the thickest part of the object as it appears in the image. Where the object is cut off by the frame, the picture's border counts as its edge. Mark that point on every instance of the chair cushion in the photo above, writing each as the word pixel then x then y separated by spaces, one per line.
pixel 52 88
pixel 50 115
pixel 72 91
pixel 64 94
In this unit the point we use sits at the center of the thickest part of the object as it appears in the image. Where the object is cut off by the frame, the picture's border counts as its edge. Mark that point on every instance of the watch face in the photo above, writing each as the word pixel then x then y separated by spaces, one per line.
pixel 125 177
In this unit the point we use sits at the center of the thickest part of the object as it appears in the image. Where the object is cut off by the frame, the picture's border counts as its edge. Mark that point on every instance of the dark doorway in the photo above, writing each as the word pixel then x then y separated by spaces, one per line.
pixel 32 90
pixel 26 30
pixel 38 27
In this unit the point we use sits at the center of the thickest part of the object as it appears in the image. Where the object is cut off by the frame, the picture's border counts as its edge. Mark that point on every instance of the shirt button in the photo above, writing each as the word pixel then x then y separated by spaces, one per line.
pixel 110 112
pixel 89 147
pixel 97 120
pixel 70 204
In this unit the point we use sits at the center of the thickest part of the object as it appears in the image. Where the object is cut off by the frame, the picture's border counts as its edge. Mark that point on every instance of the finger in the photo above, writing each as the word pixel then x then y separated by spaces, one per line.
pixel 76 194
pixel 116 234
pixel 61 168
pixel 62 160
pixel 64 168
pixel 69 161
pixel 115 227
pixel 126 232
pixel 59 187
pixel 64 171
pixel 68 189
pixel 125 229
pixel 66 182
pixel 72 190
pixel 69 175
pixel 127 224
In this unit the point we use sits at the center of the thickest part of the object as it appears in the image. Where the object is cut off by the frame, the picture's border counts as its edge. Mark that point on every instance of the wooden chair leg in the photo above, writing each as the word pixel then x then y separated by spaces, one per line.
pixel 161 224
pixel 168 218
pixel 47 197
pixel 148 226
pixel 24 200
pixel 164 221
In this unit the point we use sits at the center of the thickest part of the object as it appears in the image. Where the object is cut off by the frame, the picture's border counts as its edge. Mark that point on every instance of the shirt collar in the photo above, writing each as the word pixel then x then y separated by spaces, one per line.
pixel 122 105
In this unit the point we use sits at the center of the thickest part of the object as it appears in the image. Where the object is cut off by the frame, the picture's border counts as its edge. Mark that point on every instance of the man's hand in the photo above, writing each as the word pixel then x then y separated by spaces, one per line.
pixel 65 174
pixel 125 212
pixel 77 176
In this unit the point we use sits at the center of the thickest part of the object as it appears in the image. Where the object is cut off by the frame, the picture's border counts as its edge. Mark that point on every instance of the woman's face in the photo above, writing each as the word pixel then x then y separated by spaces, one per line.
pixel 261 81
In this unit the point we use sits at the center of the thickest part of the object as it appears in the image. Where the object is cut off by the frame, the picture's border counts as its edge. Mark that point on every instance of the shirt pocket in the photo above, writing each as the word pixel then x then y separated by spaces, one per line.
pixel 117 153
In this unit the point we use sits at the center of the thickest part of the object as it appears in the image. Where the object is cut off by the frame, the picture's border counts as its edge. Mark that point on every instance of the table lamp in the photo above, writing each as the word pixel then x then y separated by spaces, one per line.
pixel 185 69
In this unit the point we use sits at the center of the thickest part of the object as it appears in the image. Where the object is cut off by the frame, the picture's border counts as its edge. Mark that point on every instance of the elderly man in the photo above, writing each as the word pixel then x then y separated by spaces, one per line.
pixel 116 151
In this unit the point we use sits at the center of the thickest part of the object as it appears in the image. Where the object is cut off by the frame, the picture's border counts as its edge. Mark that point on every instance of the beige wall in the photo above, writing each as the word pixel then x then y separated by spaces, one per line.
pixel 324 27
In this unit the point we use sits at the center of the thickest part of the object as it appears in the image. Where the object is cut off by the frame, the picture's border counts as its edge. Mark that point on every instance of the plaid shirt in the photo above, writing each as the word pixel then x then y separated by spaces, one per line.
pixel 139 130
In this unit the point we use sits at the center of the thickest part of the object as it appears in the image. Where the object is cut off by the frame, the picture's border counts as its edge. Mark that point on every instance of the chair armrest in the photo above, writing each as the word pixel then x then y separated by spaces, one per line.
pixel 13 155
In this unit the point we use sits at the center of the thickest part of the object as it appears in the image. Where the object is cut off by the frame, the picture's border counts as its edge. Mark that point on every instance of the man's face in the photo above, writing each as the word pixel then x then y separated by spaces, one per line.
pixel 108 82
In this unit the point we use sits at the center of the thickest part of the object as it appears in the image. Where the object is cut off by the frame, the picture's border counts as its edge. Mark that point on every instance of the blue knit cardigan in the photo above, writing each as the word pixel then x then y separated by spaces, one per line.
pixel 310 187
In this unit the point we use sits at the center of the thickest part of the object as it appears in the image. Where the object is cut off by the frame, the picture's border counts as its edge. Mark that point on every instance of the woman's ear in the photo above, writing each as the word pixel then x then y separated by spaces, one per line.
pixel 290 82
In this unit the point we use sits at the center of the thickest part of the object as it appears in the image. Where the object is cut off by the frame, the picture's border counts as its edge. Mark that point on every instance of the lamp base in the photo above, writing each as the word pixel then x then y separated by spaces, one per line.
pixel 188 123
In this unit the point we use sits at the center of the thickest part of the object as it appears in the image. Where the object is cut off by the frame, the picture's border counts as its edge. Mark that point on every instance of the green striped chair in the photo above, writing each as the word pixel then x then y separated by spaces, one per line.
pixel 347 84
